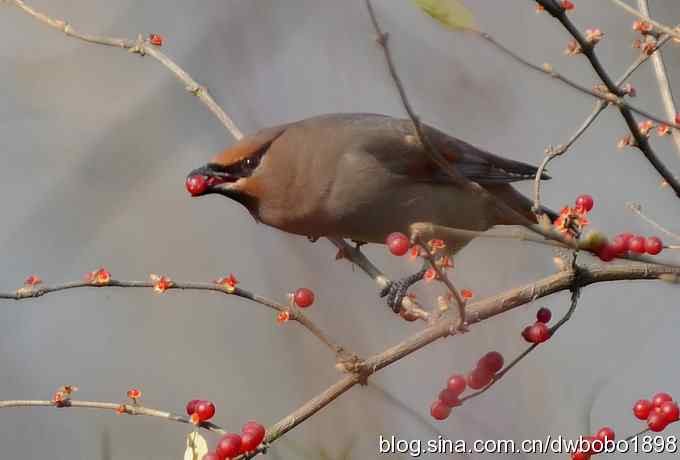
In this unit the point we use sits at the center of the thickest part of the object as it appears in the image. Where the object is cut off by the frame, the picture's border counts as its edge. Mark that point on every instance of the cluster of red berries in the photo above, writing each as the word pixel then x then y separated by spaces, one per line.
pixel 660 411
pixel 200 410
pixel 539 332
pixel 594 444
pixel 232 444
pixel 487 367
pixel 598 243
pixel 622 244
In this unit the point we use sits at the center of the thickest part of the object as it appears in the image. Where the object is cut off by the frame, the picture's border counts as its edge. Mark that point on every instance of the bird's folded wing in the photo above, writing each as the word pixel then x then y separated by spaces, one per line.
pixel 477 165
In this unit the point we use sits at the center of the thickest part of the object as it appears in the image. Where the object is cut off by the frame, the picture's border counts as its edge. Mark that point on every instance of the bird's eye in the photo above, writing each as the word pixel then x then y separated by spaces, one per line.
pixel 250 163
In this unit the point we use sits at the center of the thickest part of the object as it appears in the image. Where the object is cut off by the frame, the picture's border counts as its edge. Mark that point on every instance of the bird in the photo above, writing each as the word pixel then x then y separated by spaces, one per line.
pixel 363 176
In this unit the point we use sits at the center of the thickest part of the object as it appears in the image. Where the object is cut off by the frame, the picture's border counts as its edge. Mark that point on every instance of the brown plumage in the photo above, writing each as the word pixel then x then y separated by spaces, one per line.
pixel 363 176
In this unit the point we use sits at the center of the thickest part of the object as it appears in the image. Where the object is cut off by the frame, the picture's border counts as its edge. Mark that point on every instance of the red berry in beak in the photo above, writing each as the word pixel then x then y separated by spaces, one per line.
pixel 196 185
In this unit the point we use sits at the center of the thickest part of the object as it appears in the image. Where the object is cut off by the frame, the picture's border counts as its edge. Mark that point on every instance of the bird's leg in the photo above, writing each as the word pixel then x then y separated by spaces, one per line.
pixel 395 291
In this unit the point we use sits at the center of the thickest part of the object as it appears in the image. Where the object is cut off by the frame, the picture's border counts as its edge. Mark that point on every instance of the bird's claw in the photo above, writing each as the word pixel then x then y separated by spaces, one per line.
pixel 395 291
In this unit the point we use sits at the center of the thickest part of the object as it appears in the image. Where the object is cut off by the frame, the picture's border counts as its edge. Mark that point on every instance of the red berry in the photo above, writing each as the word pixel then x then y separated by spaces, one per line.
pixel 449 398
pixel 205 410
pixel 191 406
pixel 229 446
pixel 605 434
pixel 253 426
pixel 439 410
pixel 537 333
pixel 479 378
pixel 620 244
pixel 656 422
pixel 567 5
pixel 456 384
pixel 580 455
pixel 607 253
pixel 398 243
pixel 677 119
pixel 637 244
pixel 543 315
pixel 252 435
pixel 303 297
pixel 212 456
pixel 585 202
pixel 642 408
pixel 250 440
pixel 196 185
pixel 659 398
pixel 670 411
pixel 492 362
pixel 653 245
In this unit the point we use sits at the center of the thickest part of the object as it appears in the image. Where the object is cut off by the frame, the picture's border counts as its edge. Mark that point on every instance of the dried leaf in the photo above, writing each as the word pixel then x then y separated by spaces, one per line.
pixel 450 13
pixel 197 446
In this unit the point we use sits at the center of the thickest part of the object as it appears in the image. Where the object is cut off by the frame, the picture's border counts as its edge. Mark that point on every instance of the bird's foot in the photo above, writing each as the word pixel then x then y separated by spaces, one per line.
pixel 395 291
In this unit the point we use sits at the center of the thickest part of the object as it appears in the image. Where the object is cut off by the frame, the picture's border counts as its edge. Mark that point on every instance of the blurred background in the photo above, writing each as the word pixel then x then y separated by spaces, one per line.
pixel 96 146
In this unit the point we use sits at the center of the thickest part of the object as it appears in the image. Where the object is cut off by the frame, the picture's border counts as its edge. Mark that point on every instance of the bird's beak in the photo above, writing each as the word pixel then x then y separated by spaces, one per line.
pixel 208 179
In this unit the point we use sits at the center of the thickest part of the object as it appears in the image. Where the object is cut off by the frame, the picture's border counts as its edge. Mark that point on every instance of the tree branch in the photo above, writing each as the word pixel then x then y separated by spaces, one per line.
pixel 293 313
pixel 141 47
pixel 588 50
pixel 552 153
pixel 664 82
pixel 131 409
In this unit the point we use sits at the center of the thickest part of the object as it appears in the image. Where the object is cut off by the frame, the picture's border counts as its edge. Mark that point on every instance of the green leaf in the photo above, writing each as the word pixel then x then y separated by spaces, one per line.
pixel 450 13
pixel 197 447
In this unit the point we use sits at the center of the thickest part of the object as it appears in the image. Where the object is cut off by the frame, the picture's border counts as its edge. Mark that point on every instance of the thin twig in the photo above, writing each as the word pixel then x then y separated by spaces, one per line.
pixel 443 277
pixel 499 375
pixel 295 314
pixel 552 153
pixel 664 28
pixel 637 209
pixel 130 409
pixel 141 47
pixel 430 149
pixel 664 82
pixel 588 50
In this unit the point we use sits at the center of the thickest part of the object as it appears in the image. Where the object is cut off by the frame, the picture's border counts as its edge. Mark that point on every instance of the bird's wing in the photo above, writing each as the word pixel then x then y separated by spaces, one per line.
pixel 476 164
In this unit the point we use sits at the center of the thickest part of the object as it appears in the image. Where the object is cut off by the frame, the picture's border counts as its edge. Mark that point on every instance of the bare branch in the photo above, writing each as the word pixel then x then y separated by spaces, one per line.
pixel 293 313
pixel 552 153
pixel 664 82
pixel 141 47
pixel 675 33
pixel 637 209
pixel 626 110
pixel 131 409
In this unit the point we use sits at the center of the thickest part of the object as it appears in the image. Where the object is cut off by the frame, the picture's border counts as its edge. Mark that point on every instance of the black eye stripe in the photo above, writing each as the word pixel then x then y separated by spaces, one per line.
pixel 244 167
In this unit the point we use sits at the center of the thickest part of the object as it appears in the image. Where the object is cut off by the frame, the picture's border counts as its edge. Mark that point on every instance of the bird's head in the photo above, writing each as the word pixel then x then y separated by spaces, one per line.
pixel 235 173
